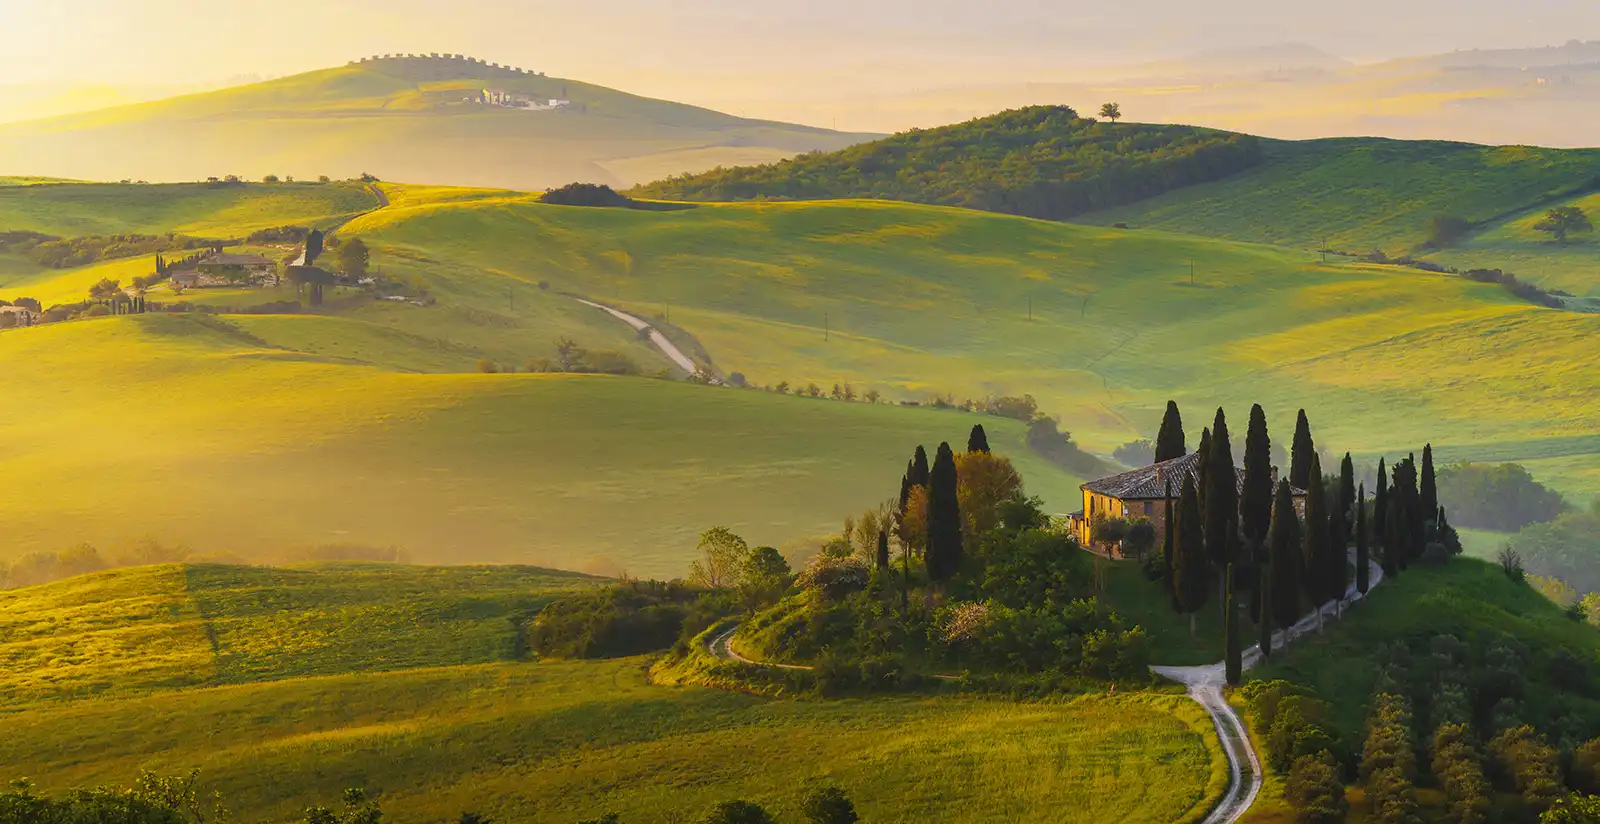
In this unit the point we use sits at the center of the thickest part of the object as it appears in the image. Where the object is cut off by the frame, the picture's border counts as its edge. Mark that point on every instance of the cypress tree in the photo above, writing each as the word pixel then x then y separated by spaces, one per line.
pixel 1300 453
pixel 1380 506
pixel 1346 512
pixel 1363 556
pixel 1283 547
pixel 919 467
pixel 1429 491
pixel 1395 531
pixel 1234 656
pixel 1264 587
pixel 906 485
pixel 313 246
pixel 1170 442
pixel 978 441
pixel 1255 507
pixel 944 517
pixel 1222 496
pixel 1191 583
pixel 1168 538
pixel 1200 466
pixel 1314 562
pixel 883 550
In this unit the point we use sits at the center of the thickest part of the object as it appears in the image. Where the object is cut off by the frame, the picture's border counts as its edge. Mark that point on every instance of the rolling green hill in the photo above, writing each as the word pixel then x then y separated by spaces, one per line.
pixel 1512 244
pixel 403 118
pixel 1043 161
pixel 287 686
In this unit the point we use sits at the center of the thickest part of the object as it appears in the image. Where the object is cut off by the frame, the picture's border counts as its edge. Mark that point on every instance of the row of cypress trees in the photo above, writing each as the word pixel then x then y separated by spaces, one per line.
pixel 943 552
pixel 1250 534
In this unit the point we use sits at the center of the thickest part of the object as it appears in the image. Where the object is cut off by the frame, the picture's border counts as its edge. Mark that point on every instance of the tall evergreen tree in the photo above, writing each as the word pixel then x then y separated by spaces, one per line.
pixel 1283 547
pixel 1301 451
pixel 1191 578
pixel 1411 516
pixel 1346 511
pixel 1221 497
pixel 1380 505
pixel 1234 655
pixel 1255 506
pixel 944 517
pixel 1169 441
pixel 313 246
pixel 1314 562
pixel 919 467
pixel 1363 555
pixel 883 550
pixel 1168 540
pixel 978 441
pixel 1395 531
pixel 1204 451
pixel 1264 620
pixel 906 485
pixel 1429 489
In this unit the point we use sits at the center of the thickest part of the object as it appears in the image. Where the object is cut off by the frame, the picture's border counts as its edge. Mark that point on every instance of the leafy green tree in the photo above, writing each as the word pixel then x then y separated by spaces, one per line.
pixel 1562 221
pixel 1533 766
pixel 1111 112
pixel 1458 770
pixel 724 557
pixel 978 441
pixel 1301 450
pixel 943 554
pixel 1314 790
pixel 1283 550
pixel 1191 578
pixel 1221 497
pixel 358 809
pixel 1169 442
pixel 353 258
pixel 828 805
pixel 738 812
pixel 1446 230
pixel 1577 809
pixel 1233 657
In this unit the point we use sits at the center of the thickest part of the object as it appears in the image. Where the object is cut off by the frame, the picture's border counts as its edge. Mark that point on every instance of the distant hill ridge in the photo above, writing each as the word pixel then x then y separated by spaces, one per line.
pixel 1041 161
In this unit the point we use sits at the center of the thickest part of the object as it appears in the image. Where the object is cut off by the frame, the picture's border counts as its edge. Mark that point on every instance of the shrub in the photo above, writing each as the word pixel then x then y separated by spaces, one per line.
pixel 1502 497
pixel 828 805
pixel 1511 563
pixel 488 367
pixel 834 577
pixel 1528 764
pixel 627 619
pixel 1314 790
pixel 610 362
pixel 586 194
pixel 1136 453
pixel 1459 772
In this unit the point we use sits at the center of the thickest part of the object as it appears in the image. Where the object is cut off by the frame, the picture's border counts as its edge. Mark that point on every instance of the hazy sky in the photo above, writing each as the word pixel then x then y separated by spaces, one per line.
pixel 696 48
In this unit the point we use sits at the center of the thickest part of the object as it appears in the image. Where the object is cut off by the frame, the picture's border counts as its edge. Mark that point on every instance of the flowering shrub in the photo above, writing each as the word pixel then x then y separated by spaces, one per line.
pixel 833 576
pixel 963 622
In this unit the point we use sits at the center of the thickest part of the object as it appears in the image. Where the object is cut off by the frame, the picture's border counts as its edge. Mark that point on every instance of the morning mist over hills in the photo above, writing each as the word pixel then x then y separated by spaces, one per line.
pixel 739 412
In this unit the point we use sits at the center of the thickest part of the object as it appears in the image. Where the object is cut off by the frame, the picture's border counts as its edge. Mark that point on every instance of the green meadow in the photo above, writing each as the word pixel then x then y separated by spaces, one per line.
pixel 286 686
pixel 1536 257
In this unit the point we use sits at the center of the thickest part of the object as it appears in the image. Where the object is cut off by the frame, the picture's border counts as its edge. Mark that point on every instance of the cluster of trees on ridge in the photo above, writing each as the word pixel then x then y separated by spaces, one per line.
pixel 159 799
pixel 1041 161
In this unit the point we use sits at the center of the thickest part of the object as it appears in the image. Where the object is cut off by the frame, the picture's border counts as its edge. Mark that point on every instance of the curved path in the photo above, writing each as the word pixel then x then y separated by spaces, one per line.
pixel 1205 685
pixel 667 347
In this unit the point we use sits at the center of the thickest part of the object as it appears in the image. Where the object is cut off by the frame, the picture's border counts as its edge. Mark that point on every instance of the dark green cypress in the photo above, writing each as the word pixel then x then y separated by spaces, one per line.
pixel 1191 571
pixel 1234 656
pixel 906 484
pixel 883 550
pixel 1283 547
pixel 1314 561
pixel 1395 531
pixel 1168 540
pixel 1363 555
pixel 919 467
pixel 1264 586
pixel 1200 465
pixel 1429 491
pixel 1255 507
pixel 978 441
pixel 1170 441
pixel 1346 511
pixel 1380 506
pixel 1222 497
pixel 944 517
pixel 1301 451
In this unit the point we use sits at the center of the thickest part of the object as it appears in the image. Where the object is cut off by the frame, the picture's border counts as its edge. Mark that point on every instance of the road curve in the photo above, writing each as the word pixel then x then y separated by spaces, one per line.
pixel 667 347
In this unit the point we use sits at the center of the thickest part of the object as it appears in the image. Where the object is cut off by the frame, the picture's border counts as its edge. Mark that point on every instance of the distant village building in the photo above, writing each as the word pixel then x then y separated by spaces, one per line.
pixel 220 262
pixel 185 280
pixel 12 316
pixel 1142 495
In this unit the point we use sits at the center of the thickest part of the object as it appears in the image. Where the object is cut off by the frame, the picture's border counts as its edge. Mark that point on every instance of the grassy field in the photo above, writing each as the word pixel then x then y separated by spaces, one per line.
pixel 192 429
pixel 1513 245
pixel 918 301
pixel 325 704
pixel 404 120
pixel 1357 194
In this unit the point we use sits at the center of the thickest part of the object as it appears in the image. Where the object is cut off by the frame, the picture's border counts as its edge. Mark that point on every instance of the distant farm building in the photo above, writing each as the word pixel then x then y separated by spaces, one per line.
pixel 515 100
pixel 1142 494
pixel 220 263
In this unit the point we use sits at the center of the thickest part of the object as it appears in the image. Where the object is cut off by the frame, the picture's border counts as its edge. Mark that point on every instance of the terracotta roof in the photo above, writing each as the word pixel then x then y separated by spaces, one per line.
pixel 1150 482
pixel 235 260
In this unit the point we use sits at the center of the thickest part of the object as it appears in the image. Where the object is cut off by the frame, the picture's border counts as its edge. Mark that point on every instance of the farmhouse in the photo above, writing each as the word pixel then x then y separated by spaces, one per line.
pixel 1142 495
pixel 185 280
pixel 220 263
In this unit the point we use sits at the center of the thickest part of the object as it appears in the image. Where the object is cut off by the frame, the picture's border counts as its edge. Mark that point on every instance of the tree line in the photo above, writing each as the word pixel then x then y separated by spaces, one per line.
pixel 1041 161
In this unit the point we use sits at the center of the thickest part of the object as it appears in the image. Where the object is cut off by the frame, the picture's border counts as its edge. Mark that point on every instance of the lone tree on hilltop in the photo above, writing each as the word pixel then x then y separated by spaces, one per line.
pixel 943 554
pixel 1191 583
pixel 1222 496
pixel 1562 221
pixel 978 441
pixel 723 558
pixel 1283 546
pixel 1301 451
pixel 1111 112
pixel 1169 443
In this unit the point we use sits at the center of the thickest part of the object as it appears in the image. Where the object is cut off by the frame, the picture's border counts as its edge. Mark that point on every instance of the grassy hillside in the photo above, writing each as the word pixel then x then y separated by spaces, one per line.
pixel 197 429
pixel 1512 244
pixel 404 119
pixel 920 300
pixel 1043 161
pixel 469 728
pixel 1363 193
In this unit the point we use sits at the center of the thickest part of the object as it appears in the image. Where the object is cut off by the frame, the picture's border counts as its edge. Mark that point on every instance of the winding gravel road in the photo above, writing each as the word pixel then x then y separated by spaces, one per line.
pixel 667 347
pixel 1205 685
